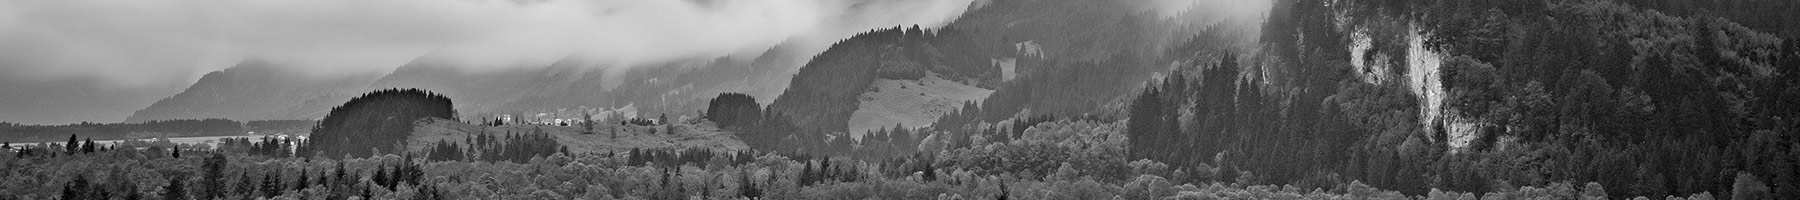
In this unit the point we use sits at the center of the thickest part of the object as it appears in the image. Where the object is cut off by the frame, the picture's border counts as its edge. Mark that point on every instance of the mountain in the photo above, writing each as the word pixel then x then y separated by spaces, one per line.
pixel 1057 57
pixel 1045 57
pixel 255 90
pixel 828 90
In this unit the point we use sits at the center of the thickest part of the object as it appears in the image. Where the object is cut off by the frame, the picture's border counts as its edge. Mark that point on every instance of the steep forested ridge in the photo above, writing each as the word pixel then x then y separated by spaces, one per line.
pixel 1647 103
pixel 824 93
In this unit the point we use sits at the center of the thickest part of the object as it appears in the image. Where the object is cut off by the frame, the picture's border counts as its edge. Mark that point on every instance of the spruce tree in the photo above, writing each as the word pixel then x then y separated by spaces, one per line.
pixel 746 188
pixel 214 179
pixel 587 123
pixel 339 173
pixel 77 189
pixel 381 176
pixel 72 146
pixel 246 185
pixel 176 189
pixel 302 182
pixel 271 185
pixel 87 146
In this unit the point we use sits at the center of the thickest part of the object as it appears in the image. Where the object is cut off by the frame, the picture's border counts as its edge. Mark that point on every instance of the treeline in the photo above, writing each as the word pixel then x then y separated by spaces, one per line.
pixel 771 131
pixel 218 177
pixel 118 131
pixel 265 127
pixel 668 157
pixel 266 146
pixel 375 123
pixel 70 147
pixel 510 147
pixel 13 132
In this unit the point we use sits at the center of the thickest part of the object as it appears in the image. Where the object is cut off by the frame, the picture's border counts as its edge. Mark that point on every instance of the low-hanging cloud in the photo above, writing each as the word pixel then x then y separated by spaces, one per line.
pixel 127 43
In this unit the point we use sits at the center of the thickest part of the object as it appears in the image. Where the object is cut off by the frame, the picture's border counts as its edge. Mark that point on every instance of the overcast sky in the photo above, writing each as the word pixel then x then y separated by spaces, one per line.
pixel 67 61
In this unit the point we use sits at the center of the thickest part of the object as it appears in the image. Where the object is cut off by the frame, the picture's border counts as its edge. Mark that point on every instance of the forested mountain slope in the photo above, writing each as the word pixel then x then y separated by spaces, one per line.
pixel 1064 58
pixel 825 92
pixel 1646 103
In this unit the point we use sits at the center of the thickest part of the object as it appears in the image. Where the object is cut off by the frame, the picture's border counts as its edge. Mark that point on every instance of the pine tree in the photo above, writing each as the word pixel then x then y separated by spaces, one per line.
pixel 746 188
pixel 301 183
pixel 246 185
pixel 806 174
pixel 175 153
pixel 381 176
pixel 175 190
pixel 1004 193
pixel 87 146
pixel 77 189
pixel 271 185
pixel 131 191
pixel 339 174
pixel 72 146
pixel 587 123
pixel 213 181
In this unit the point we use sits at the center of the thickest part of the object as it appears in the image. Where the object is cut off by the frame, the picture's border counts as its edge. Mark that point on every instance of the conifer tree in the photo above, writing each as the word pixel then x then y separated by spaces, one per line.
pixel 72 146
pixel 381 176
pixel 339 174
pixel 746 188
pixel 246 185
pixel 176 189
pixel 302 182
pixel 213 182
pixel 271 185
pixel 587 123
pixel 87 146
pixel 77 189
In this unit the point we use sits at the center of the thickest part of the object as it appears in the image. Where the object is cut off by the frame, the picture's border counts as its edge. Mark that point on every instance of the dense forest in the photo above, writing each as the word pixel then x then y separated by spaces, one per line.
pixel 1534 93
pixel 375 123
pixel 1065 159
pixel 824 92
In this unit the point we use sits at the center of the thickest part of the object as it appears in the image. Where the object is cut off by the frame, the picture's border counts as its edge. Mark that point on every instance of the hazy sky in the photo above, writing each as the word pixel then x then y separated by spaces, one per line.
pixel 66 61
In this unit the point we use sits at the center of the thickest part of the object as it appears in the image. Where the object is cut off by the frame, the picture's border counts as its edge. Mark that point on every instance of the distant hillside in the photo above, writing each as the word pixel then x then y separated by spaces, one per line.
pixel 10 132
pixel 826 91
pixel 117 131
pixel 255 90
